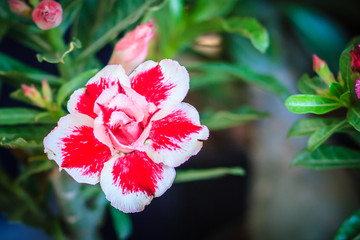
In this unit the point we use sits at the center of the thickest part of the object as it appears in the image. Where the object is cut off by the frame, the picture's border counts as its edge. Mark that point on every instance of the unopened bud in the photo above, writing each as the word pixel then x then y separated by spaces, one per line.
pixel 322 69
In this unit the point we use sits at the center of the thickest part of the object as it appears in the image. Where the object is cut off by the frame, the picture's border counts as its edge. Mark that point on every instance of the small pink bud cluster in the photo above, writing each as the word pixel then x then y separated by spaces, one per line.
pixel 43 99
pixel 19 7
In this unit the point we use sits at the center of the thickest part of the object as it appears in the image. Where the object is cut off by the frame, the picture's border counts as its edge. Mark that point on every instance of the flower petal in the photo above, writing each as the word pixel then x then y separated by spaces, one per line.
pixel 74 148
pixel 177 137
pixel 164 84
pixel 82 100
pixel 131 181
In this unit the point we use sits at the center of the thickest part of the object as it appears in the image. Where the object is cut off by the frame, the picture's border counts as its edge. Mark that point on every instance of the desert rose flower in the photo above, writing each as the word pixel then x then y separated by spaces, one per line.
pixel 132 49
pixel 355 58
pixel 19 7
pixel 48 14
pixel 129 133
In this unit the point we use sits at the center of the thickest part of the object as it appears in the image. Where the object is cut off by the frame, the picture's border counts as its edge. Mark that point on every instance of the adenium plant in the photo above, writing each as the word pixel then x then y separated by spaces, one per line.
pixel 128 133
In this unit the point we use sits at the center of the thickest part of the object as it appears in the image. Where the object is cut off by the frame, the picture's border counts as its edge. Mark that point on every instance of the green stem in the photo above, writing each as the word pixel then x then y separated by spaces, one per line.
pixel 57 43
pixel 81 222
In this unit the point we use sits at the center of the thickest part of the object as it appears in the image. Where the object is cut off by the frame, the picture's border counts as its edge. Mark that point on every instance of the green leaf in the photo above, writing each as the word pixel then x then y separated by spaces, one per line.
pixel 328 157
pixel 350 228
pixel 112 33
pixel 336 89
pixel 35 167
pixel 345 68
pixel 309 85
pixel 75 83
pixel 205 174
pixel 306 103
pixel 24 136
pixel 225 119
pixel 122 223
pixel 17 73
pixel 307 126
pixel 15 116
pixel 353 117
pixel 59 57
pixel 322 134
pixel 207 9
pixel 244 73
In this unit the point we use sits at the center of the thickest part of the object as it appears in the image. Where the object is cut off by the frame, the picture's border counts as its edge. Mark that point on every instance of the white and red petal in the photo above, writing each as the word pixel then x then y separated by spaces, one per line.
pixel 164 84
pixel 83 100
pixel 131 181
pixel 176 137
pixel 75 149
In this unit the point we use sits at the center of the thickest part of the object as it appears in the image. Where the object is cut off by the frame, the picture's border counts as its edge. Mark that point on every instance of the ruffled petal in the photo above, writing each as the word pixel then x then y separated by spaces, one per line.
pixel 75 149
pixel 164 84
pixel 83 100
pixel 131 181
pixel 177 137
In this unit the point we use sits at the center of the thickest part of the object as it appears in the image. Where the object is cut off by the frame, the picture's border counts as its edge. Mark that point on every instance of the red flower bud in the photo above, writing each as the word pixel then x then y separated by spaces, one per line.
pixel 355 58
pixel 48 14
pixel 318 63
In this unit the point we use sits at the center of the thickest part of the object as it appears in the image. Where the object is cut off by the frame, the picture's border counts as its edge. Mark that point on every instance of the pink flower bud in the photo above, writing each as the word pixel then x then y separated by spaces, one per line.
pixel 132 49
pixel 357 88
pixel 355 58
pixel 33 94
pixel 318 63
pixel 48 14
pixel 46 91
pixel 19 7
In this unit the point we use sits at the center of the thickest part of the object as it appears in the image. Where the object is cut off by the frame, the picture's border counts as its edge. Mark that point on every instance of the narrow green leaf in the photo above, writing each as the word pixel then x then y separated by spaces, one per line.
pixel 205 174
pixel 76 83
pixel 59 57
pixel 225 119
pixel 306 103
pixel 336 89
pixel 353 117
pixel 122 223
pixel 35 167
pixel 25 136
pixel 309 85
pixel 15 116
pixel 244 73
pixel 328 157
pixel 207 9
pixel 114 31
pixel 345 68
pixel 321 135
pixel 307 126
pixel 350 228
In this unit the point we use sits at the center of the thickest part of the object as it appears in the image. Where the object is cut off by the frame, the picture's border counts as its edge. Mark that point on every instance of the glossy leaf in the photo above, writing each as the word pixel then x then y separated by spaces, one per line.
pixel 222 70
pixel 207 9
pixel 345 68
pixel 353 117
pixel 328 157
pixel 309 85
pixel 350 228
pixel 15 116
pixel 59 57
pixel 322 134
pixel 122 223
pixel 225 119
pixel 306 103
pixel 77 82
pixel 336 89
pixel 205 174
pixel 307 126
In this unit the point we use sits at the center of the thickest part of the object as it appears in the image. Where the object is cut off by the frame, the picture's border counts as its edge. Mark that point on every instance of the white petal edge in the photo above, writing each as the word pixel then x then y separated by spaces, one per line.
pixel 113 73
pixel 132 202
pixel 52 143
pixel 173 73
pixel 189 147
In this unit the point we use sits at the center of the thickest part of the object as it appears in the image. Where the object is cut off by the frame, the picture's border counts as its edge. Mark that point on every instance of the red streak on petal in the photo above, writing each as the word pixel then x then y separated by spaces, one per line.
pixel 83 150
pixel 86 101
pixel 136 172
pixel 150 85
pixel 174 128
